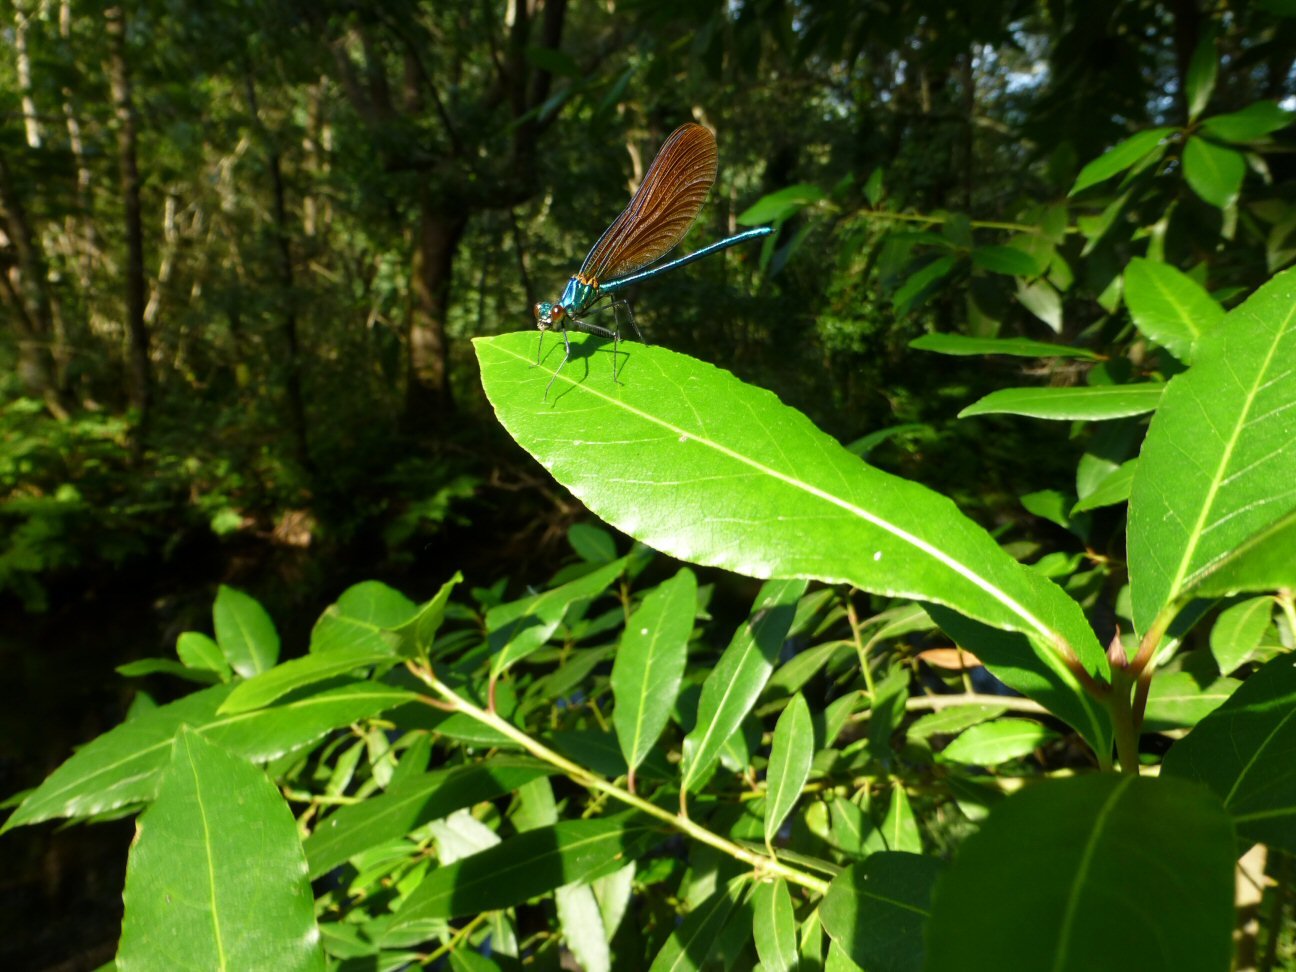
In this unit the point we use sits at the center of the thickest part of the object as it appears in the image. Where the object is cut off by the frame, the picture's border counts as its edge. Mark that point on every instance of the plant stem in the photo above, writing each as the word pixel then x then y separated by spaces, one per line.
pixel 578 773
pixel 1122 716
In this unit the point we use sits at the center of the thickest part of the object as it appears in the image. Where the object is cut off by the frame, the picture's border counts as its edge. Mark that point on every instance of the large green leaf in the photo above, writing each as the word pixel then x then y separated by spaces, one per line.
pixel 1214 172
pixel 650 664
pixel 121 767
pixel 1094 403
pixel 734 685
pixel 876 910
pixel 1219 461
pixel 1169 306
pixel 1244 752
pixel 395 813
pixel 693 462
pixel 522 867
pixel 791 752
pixel 216 877
pixel 1060 877
pixel 244 631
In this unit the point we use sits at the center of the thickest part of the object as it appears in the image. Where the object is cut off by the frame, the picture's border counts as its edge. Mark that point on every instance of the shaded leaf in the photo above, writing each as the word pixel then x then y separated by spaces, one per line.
pixel 1101 847
pixel 354 829
pixel 1176 700
pixel 1113 489
pixel 1243 751
pixel 1238 630
pixel 876 911
pixel 216 878
pixel 789 764
pixel 524 866
pixel 691 944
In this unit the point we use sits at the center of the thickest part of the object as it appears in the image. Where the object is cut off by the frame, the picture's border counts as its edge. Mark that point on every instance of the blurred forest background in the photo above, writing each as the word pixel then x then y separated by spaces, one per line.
pixel 244 247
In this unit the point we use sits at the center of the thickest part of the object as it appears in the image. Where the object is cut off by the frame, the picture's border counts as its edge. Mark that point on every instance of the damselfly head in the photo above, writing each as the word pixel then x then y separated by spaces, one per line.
pixel 549 315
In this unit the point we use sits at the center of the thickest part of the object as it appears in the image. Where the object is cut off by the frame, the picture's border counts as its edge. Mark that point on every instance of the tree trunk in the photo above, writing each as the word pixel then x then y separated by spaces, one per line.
pixel 141 382
pixel 24 287
pixel 287 284
pixel 440 228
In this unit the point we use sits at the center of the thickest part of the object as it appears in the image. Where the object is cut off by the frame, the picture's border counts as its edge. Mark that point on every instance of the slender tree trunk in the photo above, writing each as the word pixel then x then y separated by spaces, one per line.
pixel 428 394
pixel 24 287
pixel 31 122
pixel 287 297
pixel 141 381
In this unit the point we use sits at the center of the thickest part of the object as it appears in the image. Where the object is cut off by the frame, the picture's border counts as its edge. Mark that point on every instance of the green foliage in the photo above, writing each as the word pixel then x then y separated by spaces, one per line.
pixel 900 751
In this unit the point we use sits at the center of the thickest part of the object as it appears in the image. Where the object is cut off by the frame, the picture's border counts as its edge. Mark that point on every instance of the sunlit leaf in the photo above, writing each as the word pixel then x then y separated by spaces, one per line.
pixel 265 688
pixel 997 741
pixel 734 685
pixel 1250 124
pixel 121 767
pixel 900 828
pixel 1119 158
pixel 774 926
pixel 961 344
pixel 1093 403
pixel 690 461
pixel 650 664
pixel 1169 306
pixel 1215 173
pixel 1238 630
pixel 1217 466
pixel 245 633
